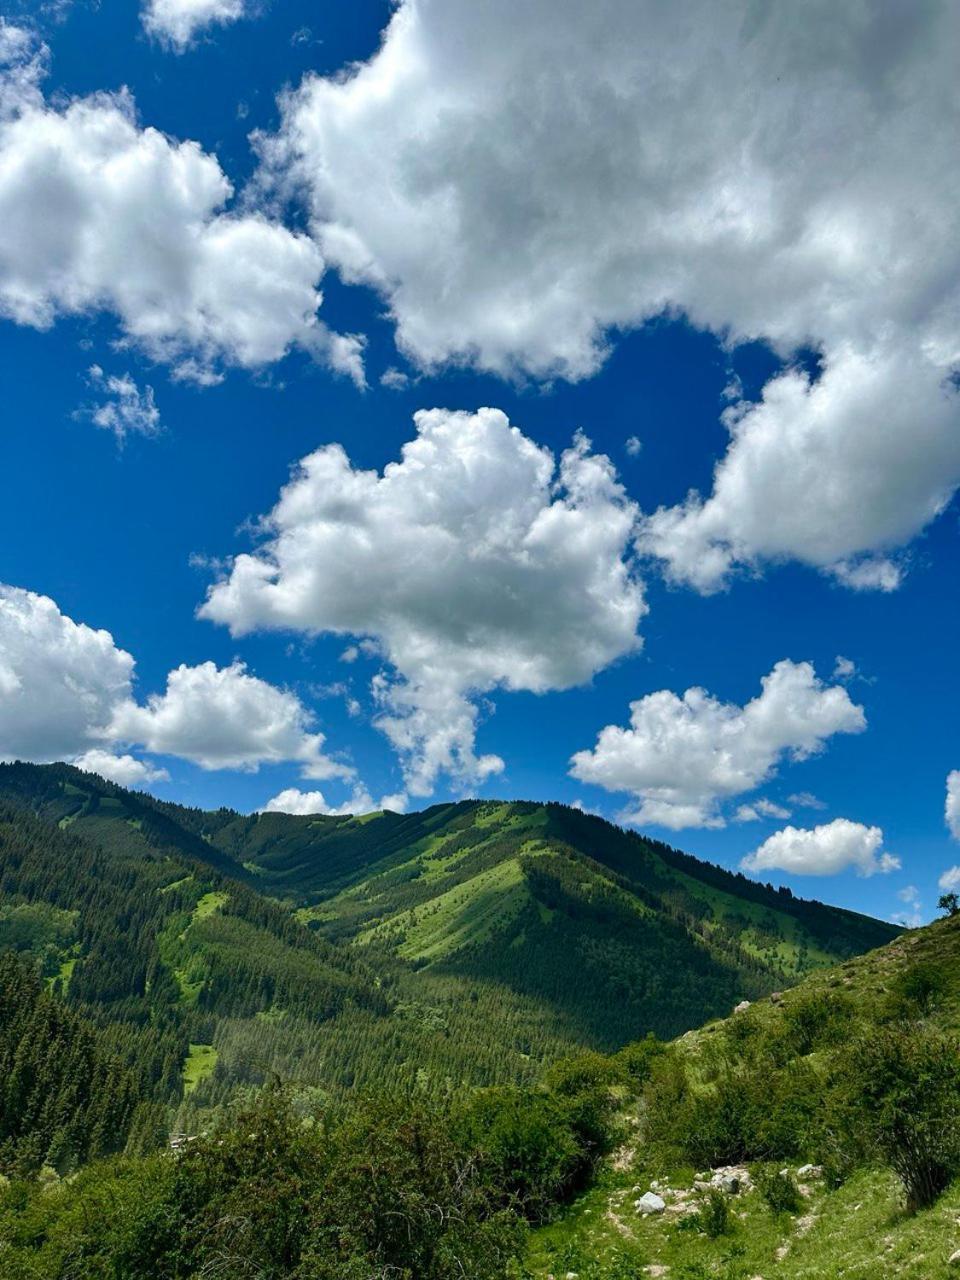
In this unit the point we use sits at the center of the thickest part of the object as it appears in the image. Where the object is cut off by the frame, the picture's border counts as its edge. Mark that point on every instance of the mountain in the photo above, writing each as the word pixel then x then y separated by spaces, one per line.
pixel 470 943
pixel 835 1105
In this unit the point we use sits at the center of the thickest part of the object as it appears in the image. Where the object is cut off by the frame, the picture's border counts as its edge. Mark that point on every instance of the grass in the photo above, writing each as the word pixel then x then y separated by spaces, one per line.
pixel 466 913
pixel 207 905
pixel 858 1232
pixel 198 1065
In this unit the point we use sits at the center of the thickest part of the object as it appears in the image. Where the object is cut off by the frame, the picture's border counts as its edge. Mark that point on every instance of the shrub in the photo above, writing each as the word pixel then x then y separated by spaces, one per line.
pixel 916 992
pixel 899 1090
pixel 524 1146
pixel 778 1188
pixel 713 1216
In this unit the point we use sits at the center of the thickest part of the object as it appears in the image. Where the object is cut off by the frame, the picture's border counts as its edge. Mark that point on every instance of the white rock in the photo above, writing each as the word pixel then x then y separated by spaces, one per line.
pixel 954 1259
pixel 810 1171
pixel 742 1006
pixel 650 1202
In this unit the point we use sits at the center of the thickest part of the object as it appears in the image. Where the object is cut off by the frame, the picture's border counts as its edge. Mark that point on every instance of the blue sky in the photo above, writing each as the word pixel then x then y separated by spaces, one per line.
pixel 127 535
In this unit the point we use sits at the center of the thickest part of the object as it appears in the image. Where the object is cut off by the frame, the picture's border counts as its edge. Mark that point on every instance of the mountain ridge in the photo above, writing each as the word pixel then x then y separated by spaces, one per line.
pixel 472 942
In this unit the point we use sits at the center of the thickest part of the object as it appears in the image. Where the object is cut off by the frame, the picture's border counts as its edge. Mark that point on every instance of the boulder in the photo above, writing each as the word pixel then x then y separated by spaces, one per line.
pixel 742 1006
pixel 650 1202
pixel 954 1259
pixel 810 1171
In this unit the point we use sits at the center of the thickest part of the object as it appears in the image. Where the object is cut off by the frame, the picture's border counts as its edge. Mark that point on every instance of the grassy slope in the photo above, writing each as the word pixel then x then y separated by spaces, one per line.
pixel 859 1232
pixel 505 933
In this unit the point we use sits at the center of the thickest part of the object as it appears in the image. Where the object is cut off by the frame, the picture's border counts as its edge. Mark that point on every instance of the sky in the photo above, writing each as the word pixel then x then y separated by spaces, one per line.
pixel 410 402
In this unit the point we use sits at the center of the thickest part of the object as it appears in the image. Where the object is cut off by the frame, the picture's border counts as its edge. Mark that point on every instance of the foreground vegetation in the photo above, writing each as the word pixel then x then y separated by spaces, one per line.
pixel 814 1134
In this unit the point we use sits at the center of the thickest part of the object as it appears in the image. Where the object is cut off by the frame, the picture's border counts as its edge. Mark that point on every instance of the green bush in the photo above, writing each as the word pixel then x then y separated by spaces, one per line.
pixel 713 1216
pixel 524 1145
pixel 778 1188
pixel 899 1100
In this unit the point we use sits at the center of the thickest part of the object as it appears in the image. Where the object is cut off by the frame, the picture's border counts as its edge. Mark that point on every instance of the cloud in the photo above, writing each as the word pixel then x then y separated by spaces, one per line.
pixel 59 680
pixel 520 189
pixel 225 718
pixel 825 472
pixel 306 802
pixel 844 668
pixel 912 915
pixel 952 808
pixel 682 757
pixel 125 770
pixel 473 563
pixel 633 446
pixel 806 800
pixel 66 693
pixel 177 22
pixel 760 809
pixel 125 409
pixel 823 851
pixel 136 223
pixel 950 880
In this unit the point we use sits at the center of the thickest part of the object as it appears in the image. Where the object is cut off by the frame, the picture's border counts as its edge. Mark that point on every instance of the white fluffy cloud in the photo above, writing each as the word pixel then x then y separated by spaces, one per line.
pixel 823 851
pixel 100 214
pixel 225 718
pixel 518 188
pixel 950 880
pixel 828 472
pixel 123 408
pixel 682 757
pixel 474 563
pixel 126 770
pixel 177 22
pixel 60 680
pixel 66 693
pixel 952 807
pixel 292 800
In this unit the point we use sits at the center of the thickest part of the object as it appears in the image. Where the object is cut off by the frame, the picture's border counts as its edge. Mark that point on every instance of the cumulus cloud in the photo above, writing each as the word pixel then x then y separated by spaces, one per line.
pixel 682 757
pixel 177 22
pixel 823 851
pixel 137 224
pixel 125 770
pixel 950 880
pixel 518 189
pixel 123 409
pixel 823 471
pixel 60 680
pixel 294 801
pixel 225 718
pixel 473 563
pixel 952 807
pixel 66 693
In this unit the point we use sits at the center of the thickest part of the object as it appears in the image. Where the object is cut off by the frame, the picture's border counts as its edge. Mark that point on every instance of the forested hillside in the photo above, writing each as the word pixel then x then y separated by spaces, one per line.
pixel 812 1136
pixel 471 944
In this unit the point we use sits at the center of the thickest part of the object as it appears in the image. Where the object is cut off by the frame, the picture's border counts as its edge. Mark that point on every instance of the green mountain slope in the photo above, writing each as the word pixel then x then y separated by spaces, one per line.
pixel 470 943
pixel 798 1084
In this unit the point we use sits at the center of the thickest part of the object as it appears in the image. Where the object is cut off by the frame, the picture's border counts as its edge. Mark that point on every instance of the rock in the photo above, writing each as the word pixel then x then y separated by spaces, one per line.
pixel 954 1259
pixel 742 1006
pixel 656 1269
pixel 650 1202
pixel 730 1184
pixel 810 1171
